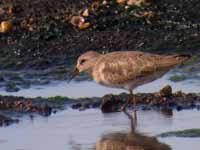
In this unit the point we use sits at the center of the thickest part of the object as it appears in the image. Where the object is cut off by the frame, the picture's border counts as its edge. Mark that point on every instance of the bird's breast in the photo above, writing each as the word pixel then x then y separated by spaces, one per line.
pixel 100 76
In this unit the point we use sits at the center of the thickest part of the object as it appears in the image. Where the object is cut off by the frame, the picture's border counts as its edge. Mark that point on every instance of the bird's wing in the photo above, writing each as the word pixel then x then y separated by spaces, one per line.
pixel 121 67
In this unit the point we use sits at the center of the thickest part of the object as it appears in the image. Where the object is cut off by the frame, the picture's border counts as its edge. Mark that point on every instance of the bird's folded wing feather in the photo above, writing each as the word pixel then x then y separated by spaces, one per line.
pixel 125 67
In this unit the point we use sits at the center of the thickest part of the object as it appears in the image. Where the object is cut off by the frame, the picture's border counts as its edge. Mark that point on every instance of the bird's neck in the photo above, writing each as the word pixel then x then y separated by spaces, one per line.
pixel 92 63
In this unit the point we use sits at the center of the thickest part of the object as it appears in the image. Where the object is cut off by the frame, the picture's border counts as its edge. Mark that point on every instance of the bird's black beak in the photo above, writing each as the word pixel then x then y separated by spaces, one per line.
pixel 73 74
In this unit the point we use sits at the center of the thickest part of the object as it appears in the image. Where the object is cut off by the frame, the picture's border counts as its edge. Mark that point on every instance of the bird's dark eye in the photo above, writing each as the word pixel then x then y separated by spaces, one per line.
pixel 82 61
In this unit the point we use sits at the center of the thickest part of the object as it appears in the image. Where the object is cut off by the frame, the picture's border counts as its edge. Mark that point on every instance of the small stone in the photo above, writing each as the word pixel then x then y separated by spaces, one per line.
pixel 76 106
pixel 127 7
pixel 104 2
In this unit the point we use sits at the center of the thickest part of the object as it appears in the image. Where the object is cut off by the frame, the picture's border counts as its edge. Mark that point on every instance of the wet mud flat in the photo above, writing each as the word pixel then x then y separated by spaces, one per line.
pixel 16 107
pixel 43 36
pixel 164 101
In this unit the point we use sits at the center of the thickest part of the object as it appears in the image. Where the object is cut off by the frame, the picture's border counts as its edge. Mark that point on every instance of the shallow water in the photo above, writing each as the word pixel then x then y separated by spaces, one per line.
pixel 90 88
pixel 71 129
pixel 79 130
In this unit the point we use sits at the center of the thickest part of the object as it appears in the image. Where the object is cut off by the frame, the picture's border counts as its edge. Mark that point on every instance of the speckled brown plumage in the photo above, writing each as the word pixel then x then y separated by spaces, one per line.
pixel 129 69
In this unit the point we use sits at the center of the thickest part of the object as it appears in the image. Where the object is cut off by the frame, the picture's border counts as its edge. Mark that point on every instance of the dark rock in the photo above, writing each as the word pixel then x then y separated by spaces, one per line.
pixel 167 111
pixel 76 106
pixel 198 107
pixel 111 103
pixel 11 87
pixel 1 79
pixel 166 91
pixel 172 104
pixel 86 105
pixel 40 106
pixel 54 111
pixel 7 121
pixel 179 108
pixel 82 108
pixel 96 104
pixel 178 94
pixel 46 111
pixel 192 105
pixel 145 108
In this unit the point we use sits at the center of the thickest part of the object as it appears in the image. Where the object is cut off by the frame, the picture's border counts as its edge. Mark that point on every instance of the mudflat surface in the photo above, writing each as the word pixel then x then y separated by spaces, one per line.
pixel 42 35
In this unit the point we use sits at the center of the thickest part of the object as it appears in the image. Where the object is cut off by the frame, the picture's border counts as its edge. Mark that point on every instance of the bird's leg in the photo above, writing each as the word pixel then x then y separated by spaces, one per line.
pixel 135 106
pixel 133 121
pixel 123 108
pixel 128 101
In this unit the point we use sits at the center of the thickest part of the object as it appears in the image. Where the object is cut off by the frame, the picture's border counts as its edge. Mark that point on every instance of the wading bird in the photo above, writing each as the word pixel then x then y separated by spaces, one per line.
pixel 126 69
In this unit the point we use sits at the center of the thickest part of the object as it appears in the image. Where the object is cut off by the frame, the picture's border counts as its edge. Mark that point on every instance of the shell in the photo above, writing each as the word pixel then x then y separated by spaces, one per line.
pixel 77 20
pixel 84 25
pixel 5 27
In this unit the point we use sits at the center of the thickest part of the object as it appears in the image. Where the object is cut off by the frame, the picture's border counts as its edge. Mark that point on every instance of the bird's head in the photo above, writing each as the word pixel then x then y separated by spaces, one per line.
pixel 85 63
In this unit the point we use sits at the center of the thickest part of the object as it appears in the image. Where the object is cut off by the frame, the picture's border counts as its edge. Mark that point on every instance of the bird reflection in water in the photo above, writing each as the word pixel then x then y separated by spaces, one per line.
pixel 129 141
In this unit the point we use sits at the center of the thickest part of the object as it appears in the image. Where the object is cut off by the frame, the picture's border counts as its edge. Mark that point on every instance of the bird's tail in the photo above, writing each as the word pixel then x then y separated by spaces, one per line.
pixel 174 60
